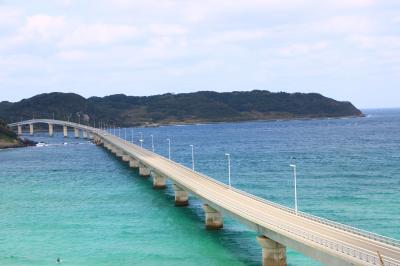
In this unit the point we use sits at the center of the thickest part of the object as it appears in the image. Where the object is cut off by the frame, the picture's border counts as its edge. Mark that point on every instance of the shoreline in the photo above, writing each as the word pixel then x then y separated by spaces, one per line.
pixel 186 123
pixel 17 143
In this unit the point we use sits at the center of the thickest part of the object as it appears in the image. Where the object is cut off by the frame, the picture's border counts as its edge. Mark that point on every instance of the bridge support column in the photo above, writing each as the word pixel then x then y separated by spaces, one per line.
pixel 19 130
pixel 50 130
pixel 65 131
pixel 159 181
pixel 110 147
pixel 125 157
pixel 181 196
pixel 143 170
pixel 31 129
pixel 133 163
pixel 85 134
pixel 213 219
pixel 273 253
pixel 119 153
pixel 76 132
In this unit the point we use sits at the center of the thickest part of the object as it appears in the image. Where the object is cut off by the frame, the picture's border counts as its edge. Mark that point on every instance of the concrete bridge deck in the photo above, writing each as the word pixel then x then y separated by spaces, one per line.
pixel 278 226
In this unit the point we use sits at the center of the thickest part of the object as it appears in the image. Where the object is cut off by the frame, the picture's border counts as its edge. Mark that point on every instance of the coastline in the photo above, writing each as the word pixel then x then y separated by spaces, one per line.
pixel 16 143
pixel 195 122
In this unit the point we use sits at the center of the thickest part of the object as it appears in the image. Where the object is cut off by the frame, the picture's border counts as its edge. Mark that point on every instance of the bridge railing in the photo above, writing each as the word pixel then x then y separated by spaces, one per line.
pixel 344 227
pixel 338 246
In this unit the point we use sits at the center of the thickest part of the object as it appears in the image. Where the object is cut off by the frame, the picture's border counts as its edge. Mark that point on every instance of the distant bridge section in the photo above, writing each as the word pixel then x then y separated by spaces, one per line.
pixel 278 227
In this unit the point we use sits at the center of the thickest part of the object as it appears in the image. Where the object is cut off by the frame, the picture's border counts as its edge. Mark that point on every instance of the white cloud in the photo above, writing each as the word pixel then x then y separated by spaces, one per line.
pixel 9 16
pixel 382 42
pixel 43 27
pixel 168 29
pixel 72 55
pixel 349 24
pixel 302 48
pixel 352 3
pixel 236 36
pixel 100 33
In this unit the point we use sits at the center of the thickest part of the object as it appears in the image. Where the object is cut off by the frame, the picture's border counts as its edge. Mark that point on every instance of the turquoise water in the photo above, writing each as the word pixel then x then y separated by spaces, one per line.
pixel 79 203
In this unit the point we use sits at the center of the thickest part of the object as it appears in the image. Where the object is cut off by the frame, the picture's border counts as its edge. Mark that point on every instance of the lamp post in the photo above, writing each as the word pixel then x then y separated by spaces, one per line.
pixel 119 132
pixel 169 149
pixel 295 186
pixel 125 133
pixel 191 145
pixel 141 139
pixel 132 135
pixel 152 142
pixel 229 168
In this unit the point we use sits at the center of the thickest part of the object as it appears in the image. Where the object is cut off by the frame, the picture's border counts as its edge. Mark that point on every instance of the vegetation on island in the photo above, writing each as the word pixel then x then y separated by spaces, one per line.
pixel 8 138
pixel 203 106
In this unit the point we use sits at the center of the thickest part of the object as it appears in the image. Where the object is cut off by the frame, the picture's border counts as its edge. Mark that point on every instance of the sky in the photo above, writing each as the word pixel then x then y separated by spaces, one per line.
pixel 343 49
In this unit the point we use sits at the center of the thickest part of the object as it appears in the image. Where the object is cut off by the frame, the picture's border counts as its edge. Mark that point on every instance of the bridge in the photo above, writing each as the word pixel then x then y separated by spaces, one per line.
pixel 277 226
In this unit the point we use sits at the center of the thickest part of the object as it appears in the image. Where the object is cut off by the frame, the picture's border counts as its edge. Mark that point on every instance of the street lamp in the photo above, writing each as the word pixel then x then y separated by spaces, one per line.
pixel 119 132
pixel 229 168
pixel 152 142
pixel 169 149
pixel 295 186
pixel 132 135
pixel 141 139
pixel 191 145
pixel 125 133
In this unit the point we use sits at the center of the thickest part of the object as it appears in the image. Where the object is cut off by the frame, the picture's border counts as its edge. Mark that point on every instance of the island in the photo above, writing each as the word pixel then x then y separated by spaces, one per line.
pixel 183 108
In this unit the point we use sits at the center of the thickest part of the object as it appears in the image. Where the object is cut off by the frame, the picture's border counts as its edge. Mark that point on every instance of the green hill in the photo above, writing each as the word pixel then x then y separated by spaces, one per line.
pixel 203 106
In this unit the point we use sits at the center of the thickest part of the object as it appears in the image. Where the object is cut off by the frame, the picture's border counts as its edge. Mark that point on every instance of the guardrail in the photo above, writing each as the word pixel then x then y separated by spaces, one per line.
pixel 347 228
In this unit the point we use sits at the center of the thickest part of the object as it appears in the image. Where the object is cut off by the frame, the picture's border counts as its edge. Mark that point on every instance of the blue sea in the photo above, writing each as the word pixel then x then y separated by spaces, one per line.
pixel 79 203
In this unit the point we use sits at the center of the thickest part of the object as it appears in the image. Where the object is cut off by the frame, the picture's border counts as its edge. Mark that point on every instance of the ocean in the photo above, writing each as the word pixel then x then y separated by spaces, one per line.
pixel 79 203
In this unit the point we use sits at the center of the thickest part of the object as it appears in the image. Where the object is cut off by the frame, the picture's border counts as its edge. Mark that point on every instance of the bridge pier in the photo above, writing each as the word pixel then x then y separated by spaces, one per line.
pixel 273 253
pixel 76 132
pixel 111 148
pixel 19 130
pixel 119 153
pixel 84 134
pixel 143 170
pixel 213 219
pixel 107 146
pixel 133 163
pixel 181 196
pixel 50 130
pixel 159 181
pixel 125 157
pixel 65 131
pixel 31 129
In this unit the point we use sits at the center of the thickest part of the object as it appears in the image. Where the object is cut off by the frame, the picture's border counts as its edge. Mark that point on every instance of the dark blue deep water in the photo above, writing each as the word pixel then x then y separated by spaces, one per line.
pixel 79 203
